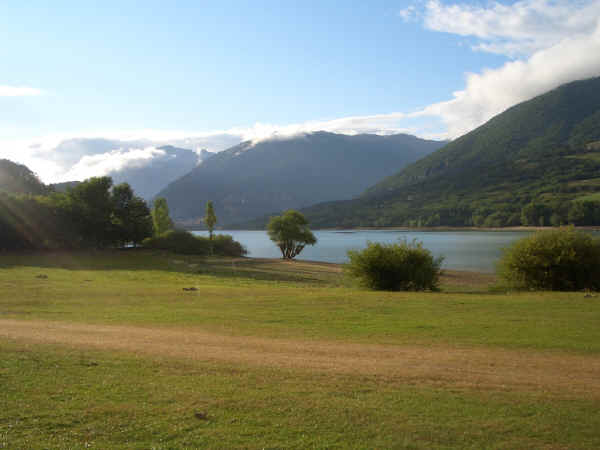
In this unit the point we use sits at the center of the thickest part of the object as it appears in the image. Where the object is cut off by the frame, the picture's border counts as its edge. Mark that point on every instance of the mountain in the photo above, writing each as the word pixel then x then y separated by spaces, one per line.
pixel 18 179
pixel 148 179
pixel 536 163
pixel 64 186
pixel 250 180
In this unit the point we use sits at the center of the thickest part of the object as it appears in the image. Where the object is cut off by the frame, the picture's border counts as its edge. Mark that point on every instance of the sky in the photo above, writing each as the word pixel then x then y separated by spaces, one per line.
pixel 89 87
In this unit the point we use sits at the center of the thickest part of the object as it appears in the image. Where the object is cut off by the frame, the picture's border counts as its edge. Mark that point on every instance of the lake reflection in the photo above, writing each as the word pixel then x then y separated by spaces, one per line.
pixel 464 250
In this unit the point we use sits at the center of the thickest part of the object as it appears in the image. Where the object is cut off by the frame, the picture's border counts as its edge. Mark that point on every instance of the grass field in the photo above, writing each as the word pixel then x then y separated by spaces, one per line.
pixel 136 349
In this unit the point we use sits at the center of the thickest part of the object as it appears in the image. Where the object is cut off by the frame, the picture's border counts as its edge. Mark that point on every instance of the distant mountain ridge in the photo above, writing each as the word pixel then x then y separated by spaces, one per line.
pixel 64 186
pixel 250 180
pixel 149 179
pixel 542 155
pixel 19 179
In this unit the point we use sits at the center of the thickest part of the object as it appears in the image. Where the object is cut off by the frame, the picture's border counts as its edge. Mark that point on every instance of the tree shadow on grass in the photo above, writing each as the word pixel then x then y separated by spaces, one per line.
pixel 259 269
pixel 273 270
pixel 154 260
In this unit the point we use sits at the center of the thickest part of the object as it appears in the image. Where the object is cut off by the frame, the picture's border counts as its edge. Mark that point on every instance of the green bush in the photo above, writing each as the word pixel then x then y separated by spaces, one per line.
pixel 224 245
pixel 562 259
pixel 181 241
pixel 405 266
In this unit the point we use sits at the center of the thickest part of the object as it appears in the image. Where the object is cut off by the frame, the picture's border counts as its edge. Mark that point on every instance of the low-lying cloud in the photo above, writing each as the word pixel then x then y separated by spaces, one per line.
pixel 113 161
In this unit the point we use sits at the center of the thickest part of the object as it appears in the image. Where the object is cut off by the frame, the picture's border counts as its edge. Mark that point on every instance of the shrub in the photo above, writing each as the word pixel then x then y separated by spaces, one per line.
pixel 405 266
pixel 560 260
pixel 224 245
pixel 181 241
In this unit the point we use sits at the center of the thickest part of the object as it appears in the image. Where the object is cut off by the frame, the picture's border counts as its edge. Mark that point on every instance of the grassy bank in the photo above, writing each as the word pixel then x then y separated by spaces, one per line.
pixel 55 397
pixel 273 298
pixel 108 350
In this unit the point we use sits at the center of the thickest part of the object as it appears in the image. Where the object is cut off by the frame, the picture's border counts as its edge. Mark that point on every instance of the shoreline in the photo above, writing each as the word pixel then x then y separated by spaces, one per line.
pixel 400 228
pixel 448 271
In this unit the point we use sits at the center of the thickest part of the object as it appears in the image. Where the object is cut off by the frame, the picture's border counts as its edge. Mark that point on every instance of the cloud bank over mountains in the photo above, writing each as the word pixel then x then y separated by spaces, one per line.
pixel 114 161
pixel 547 43
pixel 558 42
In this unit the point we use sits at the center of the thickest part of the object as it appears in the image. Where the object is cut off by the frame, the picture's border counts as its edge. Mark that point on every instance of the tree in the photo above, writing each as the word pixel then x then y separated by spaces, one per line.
pixel 132 221
pixel 210 219
pixel 290 233
pixel 90 207
pixel 160 216
pixel 534 214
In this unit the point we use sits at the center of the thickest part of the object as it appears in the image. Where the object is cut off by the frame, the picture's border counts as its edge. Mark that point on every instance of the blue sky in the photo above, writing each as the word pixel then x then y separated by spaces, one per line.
pixel 228 64
pixel 178 71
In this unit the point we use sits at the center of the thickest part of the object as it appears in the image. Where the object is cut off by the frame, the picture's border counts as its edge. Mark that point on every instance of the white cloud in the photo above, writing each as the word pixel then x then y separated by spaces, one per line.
pixel 518 29
pixel 18 91
pixel 409 13
pixel 494 90
pixel 113 161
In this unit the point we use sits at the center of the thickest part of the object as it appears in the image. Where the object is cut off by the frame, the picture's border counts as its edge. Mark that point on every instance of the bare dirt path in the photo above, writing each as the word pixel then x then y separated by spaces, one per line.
pixel 479 368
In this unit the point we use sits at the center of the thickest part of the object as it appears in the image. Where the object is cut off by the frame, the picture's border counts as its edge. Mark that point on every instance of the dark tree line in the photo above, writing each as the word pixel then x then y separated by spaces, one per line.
pixel 92 214
pixel 533 214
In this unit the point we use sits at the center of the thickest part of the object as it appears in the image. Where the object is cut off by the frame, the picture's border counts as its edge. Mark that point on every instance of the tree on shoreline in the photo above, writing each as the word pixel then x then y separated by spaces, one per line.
pixel 92 214
pixel 210 219
pixel 131 217
pixel 290 233
pixel 160 216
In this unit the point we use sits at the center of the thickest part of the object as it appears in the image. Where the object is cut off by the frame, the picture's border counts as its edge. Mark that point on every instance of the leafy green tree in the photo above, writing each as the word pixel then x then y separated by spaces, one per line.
pixel 210 219
pixel 576 213
pixel 89 206
pixel 534 214
pixel 131 218
pixel 290 233
pixel 160 217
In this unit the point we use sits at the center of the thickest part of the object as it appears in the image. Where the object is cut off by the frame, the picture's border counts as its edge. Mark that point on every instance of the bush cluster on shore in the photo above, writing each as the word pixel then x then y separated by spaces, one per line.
pixel 184 242
pixel 405 266
pixel 561 259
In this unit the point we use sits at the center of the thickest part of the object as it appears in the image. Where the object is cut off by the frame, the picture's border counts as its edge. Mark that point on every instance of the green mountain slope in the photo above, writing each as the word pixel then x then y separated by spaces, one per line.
pixel 18 179
pixel 250 180
pixel 536 163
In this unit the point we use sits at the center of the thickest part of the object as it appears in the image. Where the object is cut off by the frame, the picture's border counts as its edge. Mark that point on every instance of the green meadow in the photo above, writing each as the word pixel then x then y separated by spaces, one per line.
pixel 142 349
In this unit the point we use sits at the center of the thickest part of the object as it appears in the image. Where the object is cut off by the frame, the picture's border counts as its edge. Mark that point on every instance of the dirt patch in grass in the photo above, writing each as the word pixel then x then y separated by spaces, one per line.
pixel 473 368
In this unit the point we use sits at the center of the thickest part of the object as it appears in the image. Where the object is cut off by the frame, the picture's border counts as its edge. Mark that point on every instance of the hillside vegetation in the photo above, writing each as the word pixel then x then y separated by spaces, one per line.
pixel 538 163
pixel 18 179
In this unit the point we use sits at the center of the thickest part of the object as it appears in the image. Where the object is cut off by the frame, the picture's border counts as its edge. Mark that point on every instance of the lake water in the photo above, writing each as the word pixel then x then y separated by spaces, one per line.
pixel 463 250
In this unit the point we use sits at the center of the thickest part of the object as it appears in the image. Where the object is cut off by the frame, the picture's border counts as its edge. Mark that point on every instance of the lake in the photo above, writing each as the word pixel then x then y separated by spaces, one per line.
pixel 463 250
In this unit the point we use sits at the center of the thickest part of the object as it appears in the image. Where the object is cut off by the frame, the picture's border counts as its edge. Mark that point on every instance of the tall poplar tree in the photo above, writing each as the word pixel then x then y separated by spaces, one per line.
pixel 160 216
pixel 210 219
